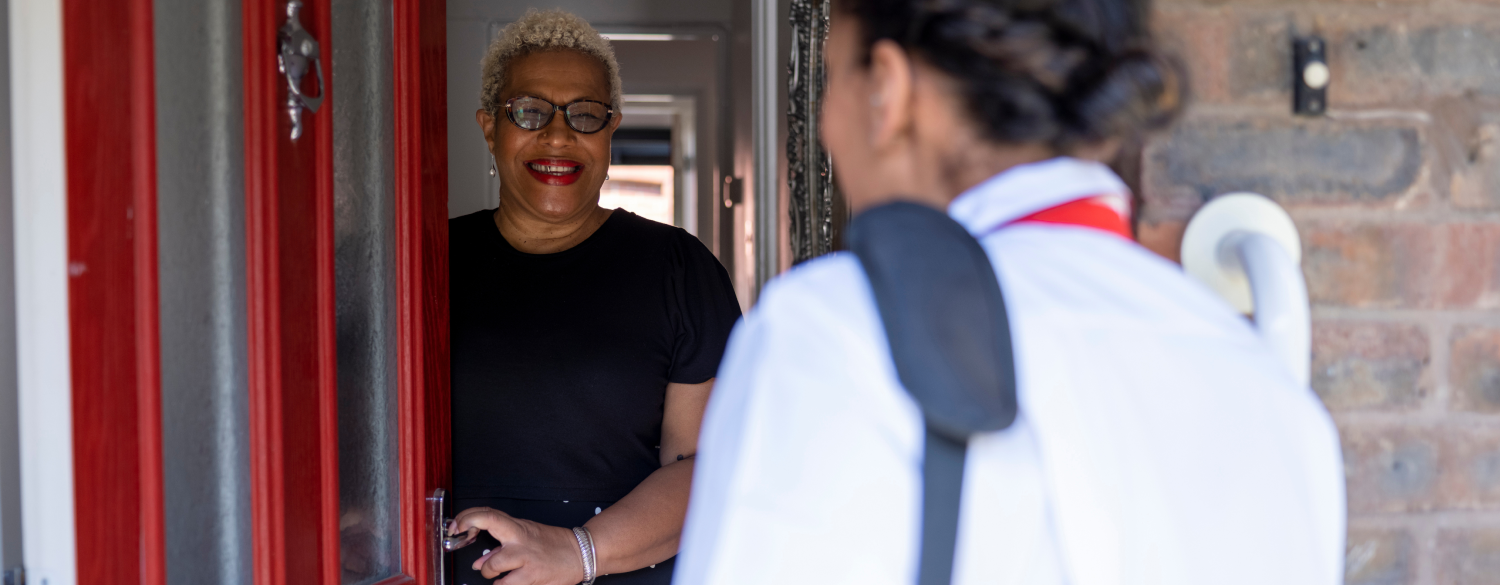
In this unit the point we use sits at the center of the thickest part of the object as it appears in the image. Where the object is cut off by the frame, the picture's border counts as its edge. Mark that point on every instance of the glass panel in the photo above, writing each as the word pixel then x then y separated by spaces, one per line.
pixel 364 264
pixel 200 209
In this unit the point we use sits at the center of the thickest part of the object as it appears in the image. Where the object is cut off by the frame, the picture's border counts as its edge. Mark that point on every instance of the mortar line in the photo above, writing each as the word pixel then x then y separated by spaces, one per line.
pixel 1438 519
pixel 1392 216
pixel 1452 422
pixel 1424 538
pixel 1450 317
pixel 1434 214
pixel 1438 335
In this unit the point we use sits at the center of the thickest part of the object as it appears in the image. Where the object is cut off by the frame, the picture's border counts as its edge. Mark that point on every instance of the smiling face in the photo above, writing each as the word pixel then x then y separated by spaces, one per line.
pixel 553 173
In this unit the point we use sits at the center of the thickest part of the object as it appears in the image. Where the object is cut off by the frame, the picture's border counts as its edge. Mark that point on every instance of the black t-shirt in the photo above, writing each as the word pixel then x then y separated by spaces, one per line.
pixel 561 361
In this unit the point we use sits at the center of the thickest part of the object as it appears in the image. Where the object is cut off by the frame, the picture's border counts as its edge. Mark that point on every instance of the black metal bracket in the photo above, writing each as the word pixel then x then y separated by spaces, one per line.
pixel 1311 76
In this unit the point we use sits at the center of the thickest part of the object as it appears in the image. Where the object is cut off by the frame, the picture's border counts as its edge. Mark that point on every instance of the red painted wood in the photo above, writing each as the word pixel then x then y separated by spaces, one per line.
pixel 420 55
pixel 147 297
pixel 110 145
pixel 289 263
pixel 328 396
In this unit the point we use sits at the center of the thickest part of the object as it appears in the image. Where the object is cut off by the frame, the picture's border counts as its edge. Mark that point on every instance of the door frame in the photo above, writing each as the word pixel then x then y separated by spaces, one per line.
pixel 44 392
pixel 421 86
pixel 88 355
pixel 87 330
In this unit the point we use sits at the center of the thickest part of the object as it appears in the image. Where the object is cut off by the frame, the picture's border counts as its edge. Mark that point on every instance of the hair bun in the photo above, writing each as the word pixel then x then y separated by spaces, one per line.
pixel 1140 90
pixel 1061 72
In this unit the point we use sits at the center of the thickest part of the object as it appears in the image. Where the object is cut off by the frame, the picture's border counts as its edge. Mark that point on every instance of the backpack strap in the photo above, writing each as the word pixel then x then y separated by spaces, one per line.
pixel 944 316
pixel 942 490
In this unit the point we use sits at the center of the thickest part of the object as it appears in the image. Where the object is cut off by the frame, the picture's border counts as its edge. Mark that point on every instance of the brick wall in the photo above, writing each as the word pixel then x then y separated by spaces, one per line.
pixel 1397 196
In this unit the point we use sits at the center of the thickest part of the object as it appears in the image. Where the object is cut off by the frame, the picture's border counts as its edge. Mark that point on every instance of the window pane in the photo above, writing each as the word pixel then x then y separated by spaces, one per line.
pixel 364 208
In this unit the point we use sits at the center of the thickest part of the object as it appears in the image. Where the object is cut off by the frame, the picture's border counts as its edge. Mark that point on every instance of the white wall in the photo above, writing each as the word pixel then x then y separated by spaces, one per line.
pixel 42 291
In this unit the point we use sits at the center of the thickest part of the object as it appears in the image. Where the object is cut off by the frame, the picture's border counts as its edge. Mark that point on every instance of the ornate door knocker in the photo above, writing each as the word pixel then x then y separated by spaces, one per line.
pixel 297 49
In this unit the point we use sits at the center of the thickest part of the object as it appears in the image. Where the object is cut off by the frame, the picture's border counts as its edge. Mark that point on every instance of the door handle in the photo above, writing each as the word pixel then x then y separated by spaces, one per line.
pixel 297 48
pixel 441 542
pixel 457 541
pixel 439 528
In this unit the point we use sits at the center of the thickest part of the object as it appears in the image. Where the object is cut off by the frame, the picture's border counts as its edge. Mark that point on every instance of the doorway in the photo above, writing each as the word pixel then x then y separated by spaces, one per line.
pixel 653 168
pixel 685 73
pixel 283 306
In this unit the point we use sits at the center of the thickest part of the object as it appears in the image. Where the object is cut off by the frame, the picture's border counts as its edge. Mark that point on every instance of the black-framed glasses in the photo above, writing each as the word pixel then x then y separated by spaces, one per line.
pixel 533 113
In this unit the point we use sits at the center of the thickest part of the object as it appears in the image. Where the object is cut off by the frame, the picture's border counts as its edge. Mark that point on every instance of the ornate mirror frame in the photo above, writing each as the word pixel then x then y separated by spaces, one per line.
pixel 816 210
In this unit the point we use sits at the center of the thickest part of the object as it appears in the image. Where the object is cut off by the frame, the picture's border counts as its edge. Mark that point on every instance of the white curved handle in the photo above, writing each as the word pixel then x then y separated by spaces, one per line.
pixel 1245 247
pixel 1280 297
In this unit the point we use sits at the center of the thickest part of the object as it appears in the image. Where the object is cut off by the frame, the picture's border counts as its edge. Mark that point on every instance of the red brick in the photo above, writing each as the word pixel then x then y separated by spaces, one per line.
pixel 1471 479
pixel 1379 54
pixel 1199 39
pixel 1422 469
pixel 1474 369
pixel 1390 470
pixel 1369 265
pixel 1260 67
pixel 1400 56
pixel 1388 56
pixel 1370 366
pixel 1299 163
pixel 1379 557
pixel 1163 237
pixel 1466 139
pixel 1476 183
pixel 1471 269
pixel 1468 556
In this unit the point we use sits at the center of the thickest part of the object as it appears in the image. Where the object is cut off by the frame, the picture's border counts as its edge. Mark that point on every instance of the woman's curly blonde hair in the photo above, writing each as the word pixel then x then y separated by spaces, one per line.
pixel 540 31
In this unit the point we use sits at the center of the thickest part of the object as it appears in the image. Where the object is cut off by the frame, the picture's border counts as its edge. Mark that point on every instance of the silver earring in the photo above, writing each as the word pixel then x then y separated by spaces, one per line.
pixel 606 176
pixel 492 168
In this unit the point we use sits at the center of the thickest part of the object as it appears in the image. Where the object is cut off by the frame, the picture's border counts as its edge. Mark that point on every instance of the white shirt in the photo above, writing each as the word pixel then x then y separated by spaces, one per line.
pixel 1159 441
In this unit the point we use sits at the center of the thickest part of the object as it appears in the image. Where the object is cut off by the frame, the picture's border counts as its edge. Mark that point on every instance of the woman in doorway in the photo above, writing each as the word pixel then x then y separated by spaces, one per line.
pixel 585 340
pixel 1158 439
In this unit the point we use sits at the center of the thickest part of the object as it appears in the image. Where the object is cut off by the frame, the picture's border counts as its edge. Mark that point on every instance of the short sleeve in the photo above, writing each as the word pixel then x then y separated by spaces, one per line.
pixel 706 309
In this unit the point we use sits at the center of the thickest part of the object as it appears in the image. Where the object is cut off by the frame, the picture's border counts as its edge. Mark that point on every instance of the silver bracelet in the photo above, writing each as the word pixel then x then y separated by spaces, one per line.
pixel 586 548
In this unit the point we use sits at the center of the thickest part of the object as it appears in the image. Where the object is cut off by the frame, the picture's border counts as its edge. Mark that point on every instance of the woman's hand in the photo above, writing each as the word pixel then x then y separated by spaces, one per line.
pixel 533 554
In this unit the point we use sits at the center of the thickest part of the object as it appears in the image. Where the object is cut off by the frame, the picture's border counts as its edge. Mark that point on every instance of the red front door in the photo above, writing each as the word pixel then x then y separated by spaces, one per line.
pixel 289 310
pixel 290 261
pixel 289 288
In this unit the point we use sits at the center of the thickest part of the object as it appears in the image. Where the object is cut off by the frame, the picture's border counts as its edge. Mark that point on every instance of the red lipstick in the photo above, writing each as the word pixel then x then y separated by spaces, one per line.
pixel 555 171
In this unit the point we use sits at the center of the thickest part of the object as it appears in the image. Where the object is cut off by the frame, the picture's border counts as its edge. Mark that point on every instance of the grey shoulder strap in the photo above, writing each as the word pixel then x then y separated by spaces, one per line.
pixel 945 318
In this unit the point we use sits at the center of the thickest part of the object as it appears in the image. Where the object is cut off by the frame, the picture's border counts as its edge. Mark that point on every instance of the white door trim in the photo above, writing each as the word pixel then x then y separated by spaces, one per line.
pixel 41 248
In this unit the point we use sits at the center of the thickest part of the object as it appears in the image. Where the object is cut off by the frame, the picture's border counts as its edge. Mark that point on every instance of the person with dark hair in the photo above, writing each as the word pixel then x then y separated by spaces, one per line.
pixel 1149 435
